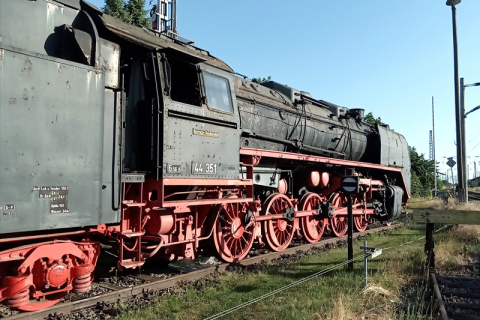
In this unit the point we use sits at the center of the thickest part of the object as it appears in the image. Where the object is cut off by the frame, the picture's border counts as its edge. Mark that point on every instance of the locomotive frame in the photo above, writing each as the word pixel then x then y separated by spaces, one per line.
pixel 158 146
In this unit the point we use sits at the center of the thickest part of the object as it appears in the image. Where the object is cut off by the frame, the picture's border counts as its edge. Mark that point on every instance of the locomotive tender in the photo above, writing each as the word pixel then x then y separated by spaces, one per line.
pixel 110 131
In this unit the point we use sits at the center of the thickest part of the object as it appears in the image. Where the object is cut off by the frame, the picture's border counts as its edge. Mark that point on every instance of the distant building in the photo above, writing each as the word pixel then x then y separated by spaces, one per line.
pixel 475 182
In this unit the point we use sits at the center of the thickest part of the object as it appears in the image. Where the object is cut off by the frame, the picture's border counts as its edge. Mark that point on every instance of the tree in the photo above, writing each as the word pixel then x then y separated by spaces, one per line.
pixel 370 119
pixel 115 8
pixel 264 80
pixel 423 170
pixel 132 12
pixel 136 14
pixel 423 179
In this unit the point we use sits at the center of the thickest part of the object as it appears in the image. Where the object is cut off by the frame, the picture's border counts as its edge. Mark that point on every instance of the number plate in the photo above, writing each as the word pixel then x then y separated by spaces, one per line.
pixel 173 168
pixel 204 168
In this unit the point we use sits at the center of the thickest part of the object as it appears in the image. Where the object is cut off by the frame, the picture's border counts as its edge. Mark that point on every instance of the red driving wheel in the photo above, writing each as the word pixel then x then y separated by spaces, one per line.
pixel 314 225
pixel 234 231
pixel 278 232
pixel 339 224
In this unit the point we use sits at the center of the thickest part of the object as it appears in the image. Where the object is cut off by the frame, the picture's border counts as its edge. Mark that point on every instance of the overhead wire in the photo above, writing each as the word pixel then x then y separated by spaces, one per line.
pixel 473 147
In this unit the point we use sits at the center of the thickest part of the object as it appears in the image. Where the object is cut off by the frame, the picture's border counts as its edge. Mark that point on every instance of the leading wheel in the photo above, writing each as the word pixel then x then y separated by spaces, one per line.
pixel 314 225
pixel 278 232
pixel 234 231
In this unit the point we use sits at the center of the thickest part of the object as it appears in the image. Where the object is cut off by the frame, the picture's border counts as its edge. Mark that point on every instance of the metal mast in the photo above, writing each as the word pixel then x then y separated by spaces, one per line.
pixel 430 145
pixel 458 113
pixel 433 146
pixel 164 17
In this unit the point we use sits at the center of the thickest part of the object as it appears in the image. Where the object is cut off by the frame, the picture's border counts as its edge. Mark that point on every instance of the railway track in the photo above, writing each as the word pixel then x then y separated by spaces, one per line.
pixel 458 297
pixel 475 196
pixel 149 286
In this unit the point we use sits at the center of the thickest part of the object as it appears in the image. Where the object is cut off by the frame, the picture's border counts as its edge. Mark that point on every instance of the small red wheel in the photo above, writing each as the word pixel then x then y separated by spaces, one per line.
pixel 234 231
pixel 278 232
pixel 44 303
pixel 338 224
pixel 360 221
pixel 312 226
pixel 24 302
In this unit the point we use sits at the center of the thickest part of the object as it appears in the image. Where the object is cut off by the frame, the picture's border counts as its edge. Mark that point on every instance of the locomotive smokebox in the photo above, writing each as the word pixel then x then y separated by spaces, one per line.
pixel 161 221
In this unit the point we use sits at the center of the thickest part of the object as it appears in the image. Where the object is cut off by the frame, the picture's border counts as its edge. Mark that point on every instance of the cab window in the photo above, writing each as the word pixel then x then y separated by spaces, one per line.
pixel 185 85
pixel 218 92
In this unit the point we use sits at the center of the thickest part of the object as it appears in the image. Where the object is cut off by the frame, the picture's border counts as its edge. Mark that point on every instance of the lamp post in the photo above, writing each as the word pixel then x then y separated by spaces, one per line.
pixel 458 114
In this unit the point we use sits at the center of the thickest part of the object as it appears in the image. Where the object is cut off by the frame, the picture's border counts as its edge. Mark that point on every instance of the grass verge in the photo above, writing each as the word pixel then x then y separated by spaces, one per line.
pixel 459 248
pixel 339 294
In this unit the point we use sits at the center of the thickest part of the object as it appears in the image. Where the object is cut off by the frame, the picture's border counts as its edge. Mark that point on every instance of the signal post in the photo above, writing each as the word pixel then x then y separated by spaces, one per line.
pixel 350 185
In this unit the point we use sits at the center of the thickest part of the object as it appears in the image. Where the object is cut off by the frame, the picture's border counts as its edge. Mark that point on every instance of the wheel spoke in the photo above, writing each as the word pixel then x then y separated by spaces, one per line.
pixel 230 238
pixel 228 213
pixel 223 220
pixel 277 233
pixel 275 211
pixel 234 247
pixel 244 240
pixel 235 210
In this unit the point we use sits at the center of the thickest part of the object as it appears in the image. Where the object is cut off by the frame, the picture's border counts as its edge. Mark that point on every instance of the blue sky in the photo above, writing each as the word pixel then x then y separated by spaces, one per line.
pixel 388 57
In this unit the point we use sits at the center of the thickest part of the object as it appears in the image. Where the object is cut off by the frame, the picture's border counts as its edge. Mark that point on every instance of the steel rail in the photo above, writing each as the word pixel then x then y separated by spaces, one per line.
pixel 146 289
pixel 474 195
pixel 438 295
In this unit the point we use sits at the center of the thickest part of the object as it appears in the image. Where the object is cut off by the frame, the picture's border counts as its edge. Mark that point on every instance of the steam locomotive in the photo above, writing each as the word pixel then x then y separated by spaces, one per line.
pixel 114 132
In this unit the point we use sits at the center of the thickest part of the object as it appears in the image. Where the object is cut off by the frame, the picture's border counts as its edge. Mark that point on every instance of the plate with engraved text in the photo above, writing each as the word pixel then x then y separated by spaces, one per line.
pixel 204 168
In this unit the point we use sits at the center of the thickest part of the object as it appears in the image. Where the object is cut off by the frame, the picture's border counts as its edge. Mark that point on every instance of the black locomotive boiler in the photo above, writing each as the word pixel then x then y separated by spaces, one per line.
pixel 113 132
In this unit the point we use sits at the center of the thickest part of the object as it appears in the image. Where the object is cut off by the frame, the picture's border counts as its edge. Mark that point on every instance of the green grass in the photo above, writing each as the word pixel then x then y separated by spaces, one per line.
pixel 337 295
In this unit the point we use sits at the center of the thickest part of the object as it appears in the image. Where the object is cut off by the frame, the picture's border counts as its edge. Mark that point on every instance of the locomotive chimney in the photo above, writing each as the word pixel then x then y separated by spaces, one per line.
pixel 357 114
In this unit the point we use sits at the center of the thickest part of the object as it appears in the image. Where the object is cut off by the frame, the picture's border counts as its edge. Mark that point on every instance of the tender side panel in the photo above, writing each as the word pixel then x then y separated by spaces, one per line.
pixel 30 25
pixel 51 144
